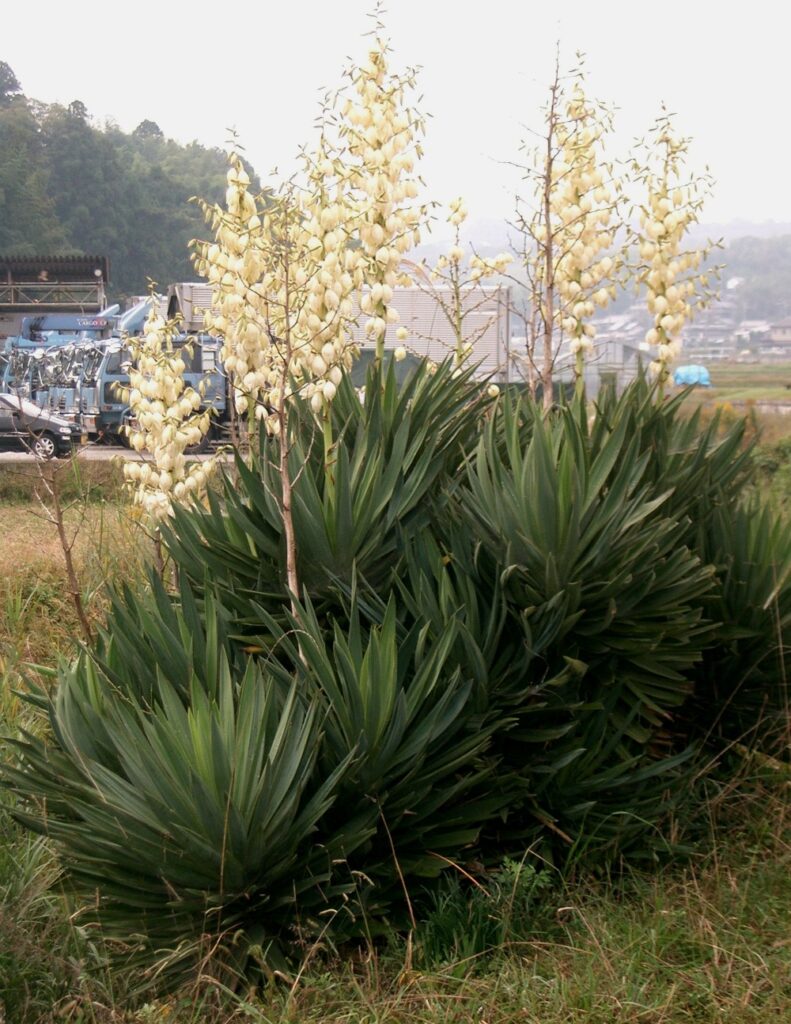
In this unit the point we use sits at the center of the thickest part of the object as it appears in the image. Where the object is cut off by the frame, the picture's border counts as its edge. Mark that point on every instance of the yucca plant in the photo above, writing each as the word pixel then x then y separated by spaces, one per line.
pixel 390 463
pixel 698 467
pixel 740 685
pixel 184 798
pixel 397 709
pixel 742 690
pixel 594 574
pixel 510 632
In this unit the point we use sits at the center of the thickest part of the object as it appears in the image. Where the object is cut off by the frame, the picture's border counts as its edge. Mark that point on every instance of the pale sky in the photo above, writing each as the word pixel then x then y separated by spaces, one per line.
pixel 199 68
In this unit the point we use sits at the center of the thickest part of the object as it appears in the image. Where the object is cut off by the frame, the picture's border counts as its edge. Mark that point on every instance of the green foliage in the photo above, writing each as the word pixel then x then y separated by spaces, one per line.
pixel 390 462
pixel 773 465
pixel 464 922
pixel 28 221
pixel 209 777
pixel 30 918
pixel 743 679
pixel 607 597
pixel 67 185
pixel 512 632
pixel 10 88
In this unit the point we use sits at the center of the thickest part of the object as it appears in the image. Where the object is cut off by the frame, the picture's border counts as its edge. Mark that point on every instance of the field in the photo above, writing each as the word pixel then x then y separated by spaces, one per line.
pixel 759 391
pixel 751 381
pixel 701 940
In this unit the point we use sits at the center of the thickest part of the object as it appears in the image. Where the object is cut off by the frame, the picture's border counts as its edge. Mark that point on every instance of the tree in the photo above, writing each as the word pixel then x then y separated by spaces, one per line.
pixel 148 130
pixel 10 88
pixel 78 109
pixel 28 218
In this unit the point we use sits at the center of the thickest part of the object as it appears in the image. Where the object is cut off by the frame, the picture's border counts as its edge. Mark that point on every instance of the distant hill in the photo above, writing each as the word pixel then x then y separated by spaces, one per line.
pixel 756 257
pixel 69 185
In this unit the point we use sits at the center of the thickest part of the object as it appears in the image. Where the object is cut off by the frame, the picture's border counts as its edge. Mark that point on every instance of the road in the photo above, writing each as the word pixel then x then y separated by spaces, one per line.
pixel 90 453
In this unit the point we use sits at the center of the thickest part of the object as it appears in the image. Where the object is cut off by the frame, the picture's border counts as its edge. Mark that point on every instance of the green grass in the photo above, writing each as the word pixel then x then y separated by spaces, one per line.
pixel 739 387
pixel 728 376
pixel 707 942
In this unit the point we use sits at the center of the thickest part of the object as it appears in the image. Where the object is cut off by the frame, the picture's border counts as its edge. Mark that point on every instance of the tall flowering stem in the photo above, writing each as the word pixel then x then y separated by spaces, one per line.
pixel 670 271
pixel 380 132
pixel 454 284
pixel 166 420
pixel 569 226
pixel 283 276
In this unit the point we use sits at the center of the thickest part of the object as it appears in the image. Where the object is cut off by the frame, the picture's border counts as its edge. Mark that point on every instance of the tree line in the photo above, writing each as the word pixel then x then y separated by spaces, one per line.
pixel 68 185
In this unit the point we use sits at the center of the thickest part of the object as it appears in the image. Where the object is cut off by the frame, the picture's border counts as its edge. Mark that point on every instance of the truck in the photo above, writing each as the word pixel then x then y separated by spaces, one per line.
pixel 39 358
pixel 77 366
pixel 104 412
pixel 105 372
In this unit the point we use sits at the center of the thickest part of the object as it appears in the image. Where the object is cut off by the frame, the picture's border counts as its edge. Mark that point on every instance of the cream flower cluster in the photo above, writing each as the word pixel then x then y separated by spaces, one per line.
pixel 582 206
pixel 380 132
pixel 483 266
pixel 166 420
pixel 283 277
pixel 670 273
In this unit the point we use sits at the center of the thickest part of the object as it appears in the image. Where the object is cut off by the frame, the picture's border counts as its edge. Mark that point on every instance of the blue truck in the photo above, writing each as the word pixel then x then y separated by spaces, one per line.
pixel 78 365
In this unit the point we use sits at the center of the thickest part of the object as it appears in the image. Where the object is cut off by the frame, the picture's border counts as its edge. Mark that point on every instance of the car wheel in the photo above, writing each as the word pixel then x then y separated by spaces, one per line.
pixel 45 447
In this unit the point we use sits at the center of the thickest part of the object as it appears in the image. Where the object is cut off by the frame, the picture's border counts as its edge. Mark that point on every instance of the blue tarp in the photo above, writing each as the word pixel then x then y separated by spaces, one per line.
pixel 686 375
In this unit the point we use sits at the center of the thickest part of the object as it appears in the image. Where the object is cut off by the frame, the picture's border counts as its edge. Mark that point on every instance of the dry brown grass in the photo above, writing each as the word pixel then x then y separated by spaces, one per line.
pixel 37 616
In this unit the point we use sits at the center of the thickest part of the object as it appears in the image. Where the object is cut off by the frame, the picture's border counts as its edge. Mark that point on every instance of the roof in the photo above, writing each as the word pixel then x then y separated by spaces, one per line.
pixel 75 267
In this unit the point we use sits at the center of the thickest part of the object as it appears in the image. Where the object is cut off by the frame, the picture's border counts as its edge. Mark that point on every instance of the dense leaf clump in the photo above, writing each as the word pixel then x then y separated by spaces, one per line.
pixel 513 632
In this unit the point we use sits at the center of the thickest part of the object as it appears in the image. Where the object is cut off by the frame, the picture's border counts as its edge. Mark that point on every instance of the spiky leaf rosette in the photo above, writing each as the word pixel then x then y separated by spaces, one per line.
pixel 392 461
pixel 183 798
pixel 742 689
pixel 598 582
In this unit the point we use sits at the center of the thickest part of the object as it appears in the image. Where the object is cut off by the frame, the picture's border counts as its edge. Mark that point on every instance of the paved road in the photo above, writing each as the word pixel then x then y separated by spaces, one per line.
pixel 91 453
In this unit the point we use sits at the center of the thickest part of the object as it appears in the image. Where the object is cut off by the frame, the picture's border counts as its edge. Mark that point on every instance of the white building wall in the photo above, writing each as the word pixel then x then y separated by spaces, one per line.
pixel 487 323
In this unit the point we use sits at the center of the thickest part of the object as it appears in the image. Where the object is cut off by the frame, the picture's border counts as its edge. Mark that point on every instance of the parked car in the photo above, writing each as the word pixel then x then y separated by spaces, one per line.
pixel 25 426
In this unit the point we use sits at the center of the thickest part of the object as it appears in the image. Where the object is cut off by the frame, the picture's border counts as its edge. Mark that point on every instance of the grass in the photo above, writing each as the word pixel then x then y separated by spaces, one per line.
pixel 739 387
pixel 79 479
pixel 707 943
pixel 735 376
pixel 37 617
pixel 704 943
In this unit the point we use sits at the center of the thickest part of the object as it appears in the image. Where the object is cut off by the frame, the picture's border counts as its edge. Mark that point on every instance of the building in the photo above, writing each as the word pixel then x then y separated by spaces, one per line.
pixel 422 311
pixel 50 284
pixel 780 335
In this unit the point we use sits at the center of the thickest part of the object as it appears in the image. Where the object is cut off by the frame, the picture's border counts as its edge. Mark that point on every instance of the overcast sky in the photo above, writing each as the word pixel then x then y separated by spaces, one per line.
pixel 199 68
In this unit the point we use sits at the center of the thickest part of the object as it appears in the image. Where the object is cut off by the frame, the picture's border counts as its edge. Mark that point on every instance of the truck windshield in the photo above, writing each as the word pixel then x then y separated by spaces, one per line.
pixel 117 361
